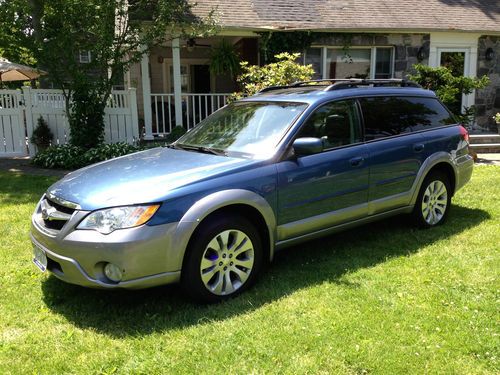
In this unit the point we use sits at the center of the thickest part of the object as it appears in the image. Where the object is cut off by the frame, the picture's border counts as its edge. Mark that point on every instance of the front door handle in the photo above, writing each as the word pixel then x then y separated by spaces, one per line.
pixel 418 147
pixel 357 161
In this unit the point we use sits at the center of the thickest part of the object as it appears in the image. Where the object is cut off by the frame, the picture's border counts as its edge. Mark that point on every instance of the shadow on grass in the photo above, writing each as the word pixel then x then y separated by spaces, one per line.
pixel 135 313
pixel 23 189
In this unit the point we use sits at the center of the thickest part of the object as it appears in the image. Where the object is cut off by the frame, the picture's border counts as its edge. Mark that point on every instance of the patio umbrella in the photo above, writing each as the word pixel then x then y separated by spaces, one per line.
pixel 10 71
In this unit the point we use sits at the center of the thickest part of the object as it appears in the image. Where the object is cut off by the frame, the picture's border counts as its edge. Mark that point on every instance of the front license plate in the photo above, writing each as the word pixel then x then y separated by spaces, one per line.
pixel 39 258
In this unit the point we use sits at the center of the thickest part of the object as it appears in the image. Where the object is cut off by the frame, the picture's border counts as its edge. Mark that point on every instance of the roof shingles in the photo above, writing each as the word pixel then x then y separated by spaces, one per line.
pixel 439 15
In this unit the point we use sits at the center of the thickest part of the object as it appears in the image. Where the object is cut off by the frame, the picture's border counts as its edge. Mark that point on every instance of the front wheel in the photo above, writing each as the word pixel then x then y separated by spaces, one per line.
pixel 223 259
pixel 433 201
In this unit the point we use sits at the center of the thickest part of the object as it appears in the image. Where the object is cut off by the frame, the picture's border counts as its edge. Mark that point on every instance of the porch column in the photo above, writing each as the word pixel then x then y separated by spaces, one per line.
pixel 176 57
pixel 146 97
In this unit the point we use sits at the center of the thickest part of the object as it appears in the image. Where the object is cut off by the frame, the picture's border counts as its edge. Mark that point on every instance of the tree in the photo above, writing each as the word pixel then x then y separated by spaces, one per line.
pixel 114 33
pixel 15 42
pixel 449 86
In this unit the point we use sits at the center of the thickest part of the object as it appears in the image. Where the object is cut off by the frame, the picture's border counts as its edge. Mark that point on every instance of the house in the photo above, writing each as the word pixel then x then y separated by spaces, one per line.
pixel 370 38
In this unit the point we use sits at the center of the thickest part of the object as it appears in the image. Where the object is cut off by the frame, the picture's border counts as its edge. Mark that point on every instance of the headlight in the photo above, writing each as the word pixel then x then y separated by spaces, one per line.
pixel 109 219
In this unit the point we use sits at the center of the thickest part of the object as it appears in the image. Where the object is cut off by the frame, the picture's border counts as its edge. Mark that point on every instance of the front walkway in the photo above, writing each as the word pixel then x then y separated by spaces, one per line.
pixel 23 165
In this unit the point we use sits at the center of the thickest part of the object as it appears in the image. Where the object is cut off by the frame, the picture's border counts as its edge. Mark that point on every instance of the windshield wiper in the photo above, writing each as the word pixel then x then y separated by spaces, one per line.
pixel 203 149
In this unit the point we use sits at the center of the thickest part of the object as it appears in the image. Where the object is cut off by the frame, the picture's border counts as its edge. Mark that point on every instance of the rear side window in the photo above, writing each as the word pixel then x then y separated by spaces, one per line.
pixel 388 116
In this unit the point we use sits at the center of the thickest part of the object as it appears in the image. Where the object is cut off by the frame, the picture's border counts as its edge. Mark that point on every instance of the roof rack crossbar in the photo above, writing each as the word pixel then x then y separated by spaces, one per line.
pixel 373 82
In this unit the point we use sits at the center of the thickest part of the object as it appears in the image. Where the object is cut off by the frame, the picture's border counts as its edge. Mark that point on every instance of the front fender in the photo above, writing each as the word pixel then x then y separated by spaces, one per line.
pixel 213 202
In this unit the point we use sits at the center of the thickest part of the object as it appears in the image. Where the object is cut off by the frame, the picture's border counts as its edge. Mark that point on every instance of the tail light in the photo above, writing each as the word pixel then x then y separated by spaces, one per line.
pixel 464 134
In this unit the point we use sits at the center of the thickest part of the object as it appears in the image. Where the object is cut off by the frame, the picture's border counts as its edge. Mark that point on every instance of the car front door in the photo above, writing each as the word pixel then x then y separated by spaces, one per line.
pixel 328 188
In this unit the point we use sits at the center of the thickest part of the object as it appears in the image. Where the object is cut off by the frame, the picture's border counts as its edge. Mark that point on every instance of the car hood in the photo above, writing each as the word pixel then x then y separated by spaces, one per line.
pixel 142 177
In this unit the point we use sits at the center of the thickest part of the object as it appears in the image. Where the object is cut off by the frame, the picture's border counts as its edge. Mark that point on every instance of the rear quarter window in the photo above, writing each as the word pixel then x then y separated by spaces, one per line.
pixel 389 116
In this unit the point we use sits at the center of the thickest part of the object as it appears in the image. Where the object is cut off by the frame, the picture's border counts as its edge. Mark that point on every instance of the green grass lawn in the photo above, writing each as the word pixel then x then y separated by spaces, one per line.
pixel 382 298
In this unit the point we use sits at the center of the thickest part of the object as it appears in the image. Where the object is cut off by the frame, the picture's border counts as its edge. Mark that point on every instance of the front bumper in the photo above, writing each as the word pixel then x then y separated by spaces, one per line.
pixel 147 255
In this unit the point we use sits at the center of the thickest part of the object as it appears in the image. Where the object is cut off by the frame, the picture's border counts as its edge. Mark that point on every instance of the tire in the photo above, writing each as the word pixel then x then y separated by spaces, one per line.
pixel 433 201
pixel 224 258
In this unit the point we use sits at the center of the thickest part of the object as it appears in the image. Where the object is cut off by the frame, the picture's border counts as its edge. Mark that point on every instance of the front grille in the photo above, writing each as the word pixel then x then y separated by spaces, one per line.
pixel 54 215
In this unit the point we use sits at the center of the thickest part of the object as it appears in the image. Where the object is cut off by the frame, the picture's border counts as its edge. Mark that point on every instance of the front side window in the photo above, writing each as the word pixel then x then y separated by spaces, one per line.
pixel 251 129
pixel 336 123
pixel 388 116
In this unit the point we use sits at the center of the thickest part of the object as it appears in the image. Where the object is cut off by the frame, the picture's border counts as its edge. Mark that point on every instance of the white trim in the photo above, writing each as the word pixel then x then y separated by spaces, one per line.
pixel 373 62
pixel 146 97
pixel 176 60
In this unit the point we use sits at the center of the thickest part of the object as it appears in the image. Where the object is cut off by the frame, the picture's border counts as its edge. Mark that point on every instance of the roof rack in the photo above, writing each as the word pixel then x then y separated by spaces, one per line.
pixel 349 83
pixel 336 84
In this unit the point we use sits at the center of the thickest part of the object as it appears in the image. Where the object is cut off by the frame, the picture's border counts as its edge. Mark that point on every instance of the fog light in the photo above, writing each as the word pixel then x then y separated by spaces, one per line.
pixel 112 272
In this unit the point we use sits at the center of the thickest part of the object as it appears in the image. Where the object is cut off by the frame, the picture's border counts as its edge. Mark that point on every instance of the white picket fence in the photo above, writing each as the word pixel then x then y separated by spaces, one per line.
pixel 12 129
pixel 21 109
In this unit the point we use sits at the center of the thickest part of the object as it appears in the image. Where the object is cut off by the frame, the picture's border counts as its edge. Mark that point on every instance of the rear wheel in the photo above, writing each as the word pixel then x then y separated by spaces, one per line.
pixel 223 259
pixel 433 201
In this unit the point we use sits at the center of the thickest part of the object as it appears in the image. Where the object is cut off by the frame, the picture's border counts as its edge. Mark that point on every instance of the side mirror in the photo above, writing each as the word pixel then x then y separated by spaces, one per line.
pixel 307 146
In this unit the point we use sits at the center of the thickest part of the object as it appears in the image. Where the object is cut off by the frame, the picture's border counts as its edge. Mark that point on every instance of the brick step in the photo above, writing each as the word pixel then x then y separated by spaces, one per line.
pixel 487 148
pixel 476 139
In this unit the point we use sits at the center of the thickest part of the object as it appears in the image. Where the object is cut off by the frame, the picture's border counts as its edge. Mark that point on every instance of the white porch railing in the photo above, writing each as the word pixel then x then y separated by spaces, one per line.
pixel 195 107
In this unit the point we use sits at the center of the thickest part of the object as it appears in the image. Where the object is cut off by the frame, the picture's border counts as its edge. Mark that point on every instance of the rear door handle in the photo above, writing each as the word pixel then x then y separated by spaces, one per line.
pixel 357 161
pixel 418 147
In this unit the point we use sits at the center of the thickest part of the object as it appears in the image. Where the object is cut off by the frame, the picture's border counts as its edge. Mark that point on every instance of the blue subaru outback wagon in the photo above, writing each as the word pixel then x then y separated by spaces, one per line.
pixel 284 166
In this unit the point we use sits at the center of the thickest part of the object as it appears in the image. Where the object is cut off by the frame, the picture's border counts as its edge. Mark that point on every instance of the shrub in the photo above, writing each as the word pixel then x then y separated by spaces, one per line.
pixel 63 157
pixel 42 135
pixel 447 86
pixel 175 134
pixel 283 72
pixel 73 157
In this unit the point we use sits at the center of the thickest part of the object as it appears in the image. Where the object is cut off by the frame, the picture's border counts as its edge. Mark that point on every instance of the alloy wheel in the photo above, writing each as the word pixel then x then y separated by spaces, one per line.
pixel 227 262
pixel 434 202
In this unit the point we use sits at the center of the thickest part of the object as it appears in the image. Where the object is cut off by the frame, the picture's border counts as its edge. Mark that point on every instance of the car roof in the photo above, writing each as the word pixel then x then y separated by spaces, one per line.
pixel 317 93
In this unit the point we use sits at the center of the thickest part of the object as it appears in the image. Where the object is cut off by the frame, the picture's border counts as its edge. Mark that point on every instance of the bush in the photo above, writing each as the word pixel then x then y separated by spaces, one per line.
pixel 175 134
pixel 448 87
pixel 42 135
pixel 283 72
pixel 64 157
pixel 73 157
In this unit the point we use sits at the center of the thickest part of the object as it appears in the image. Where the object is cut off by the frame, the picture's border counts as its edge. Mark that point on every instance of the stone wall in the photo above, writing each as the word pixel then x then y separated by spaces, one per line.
pixel 488 99
pixel 406 47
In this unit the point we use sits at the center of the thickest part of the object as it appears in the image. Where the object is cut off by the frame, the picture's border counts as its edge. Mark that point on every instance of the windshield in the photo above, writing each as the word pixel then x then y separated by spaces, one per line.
pixel 251 129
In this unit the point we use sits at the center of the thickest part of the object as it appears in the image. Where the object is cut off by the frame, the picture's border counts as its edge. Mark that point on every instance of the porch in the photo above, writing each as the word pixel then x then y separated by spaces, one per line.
pixel 176 87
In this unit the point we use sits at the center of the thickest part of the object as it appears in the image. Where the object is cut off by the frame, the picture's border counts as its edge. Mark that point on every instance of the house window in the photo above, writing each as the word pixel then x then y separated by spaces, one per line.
pixel 362 62
pixel 85 57
pixel 313 56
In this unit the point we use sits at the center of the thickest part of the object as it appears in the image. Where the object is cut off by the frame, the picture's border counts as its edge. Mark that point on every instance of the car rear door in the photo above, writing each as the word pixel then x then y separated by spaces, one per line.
pixel 396 151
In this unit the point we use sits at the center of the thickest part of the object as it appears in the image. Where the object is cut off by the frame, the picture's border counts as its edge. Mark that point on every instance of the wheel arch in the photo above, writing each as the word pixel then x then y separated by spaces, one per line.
pixel 438 162
pixel 236 201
